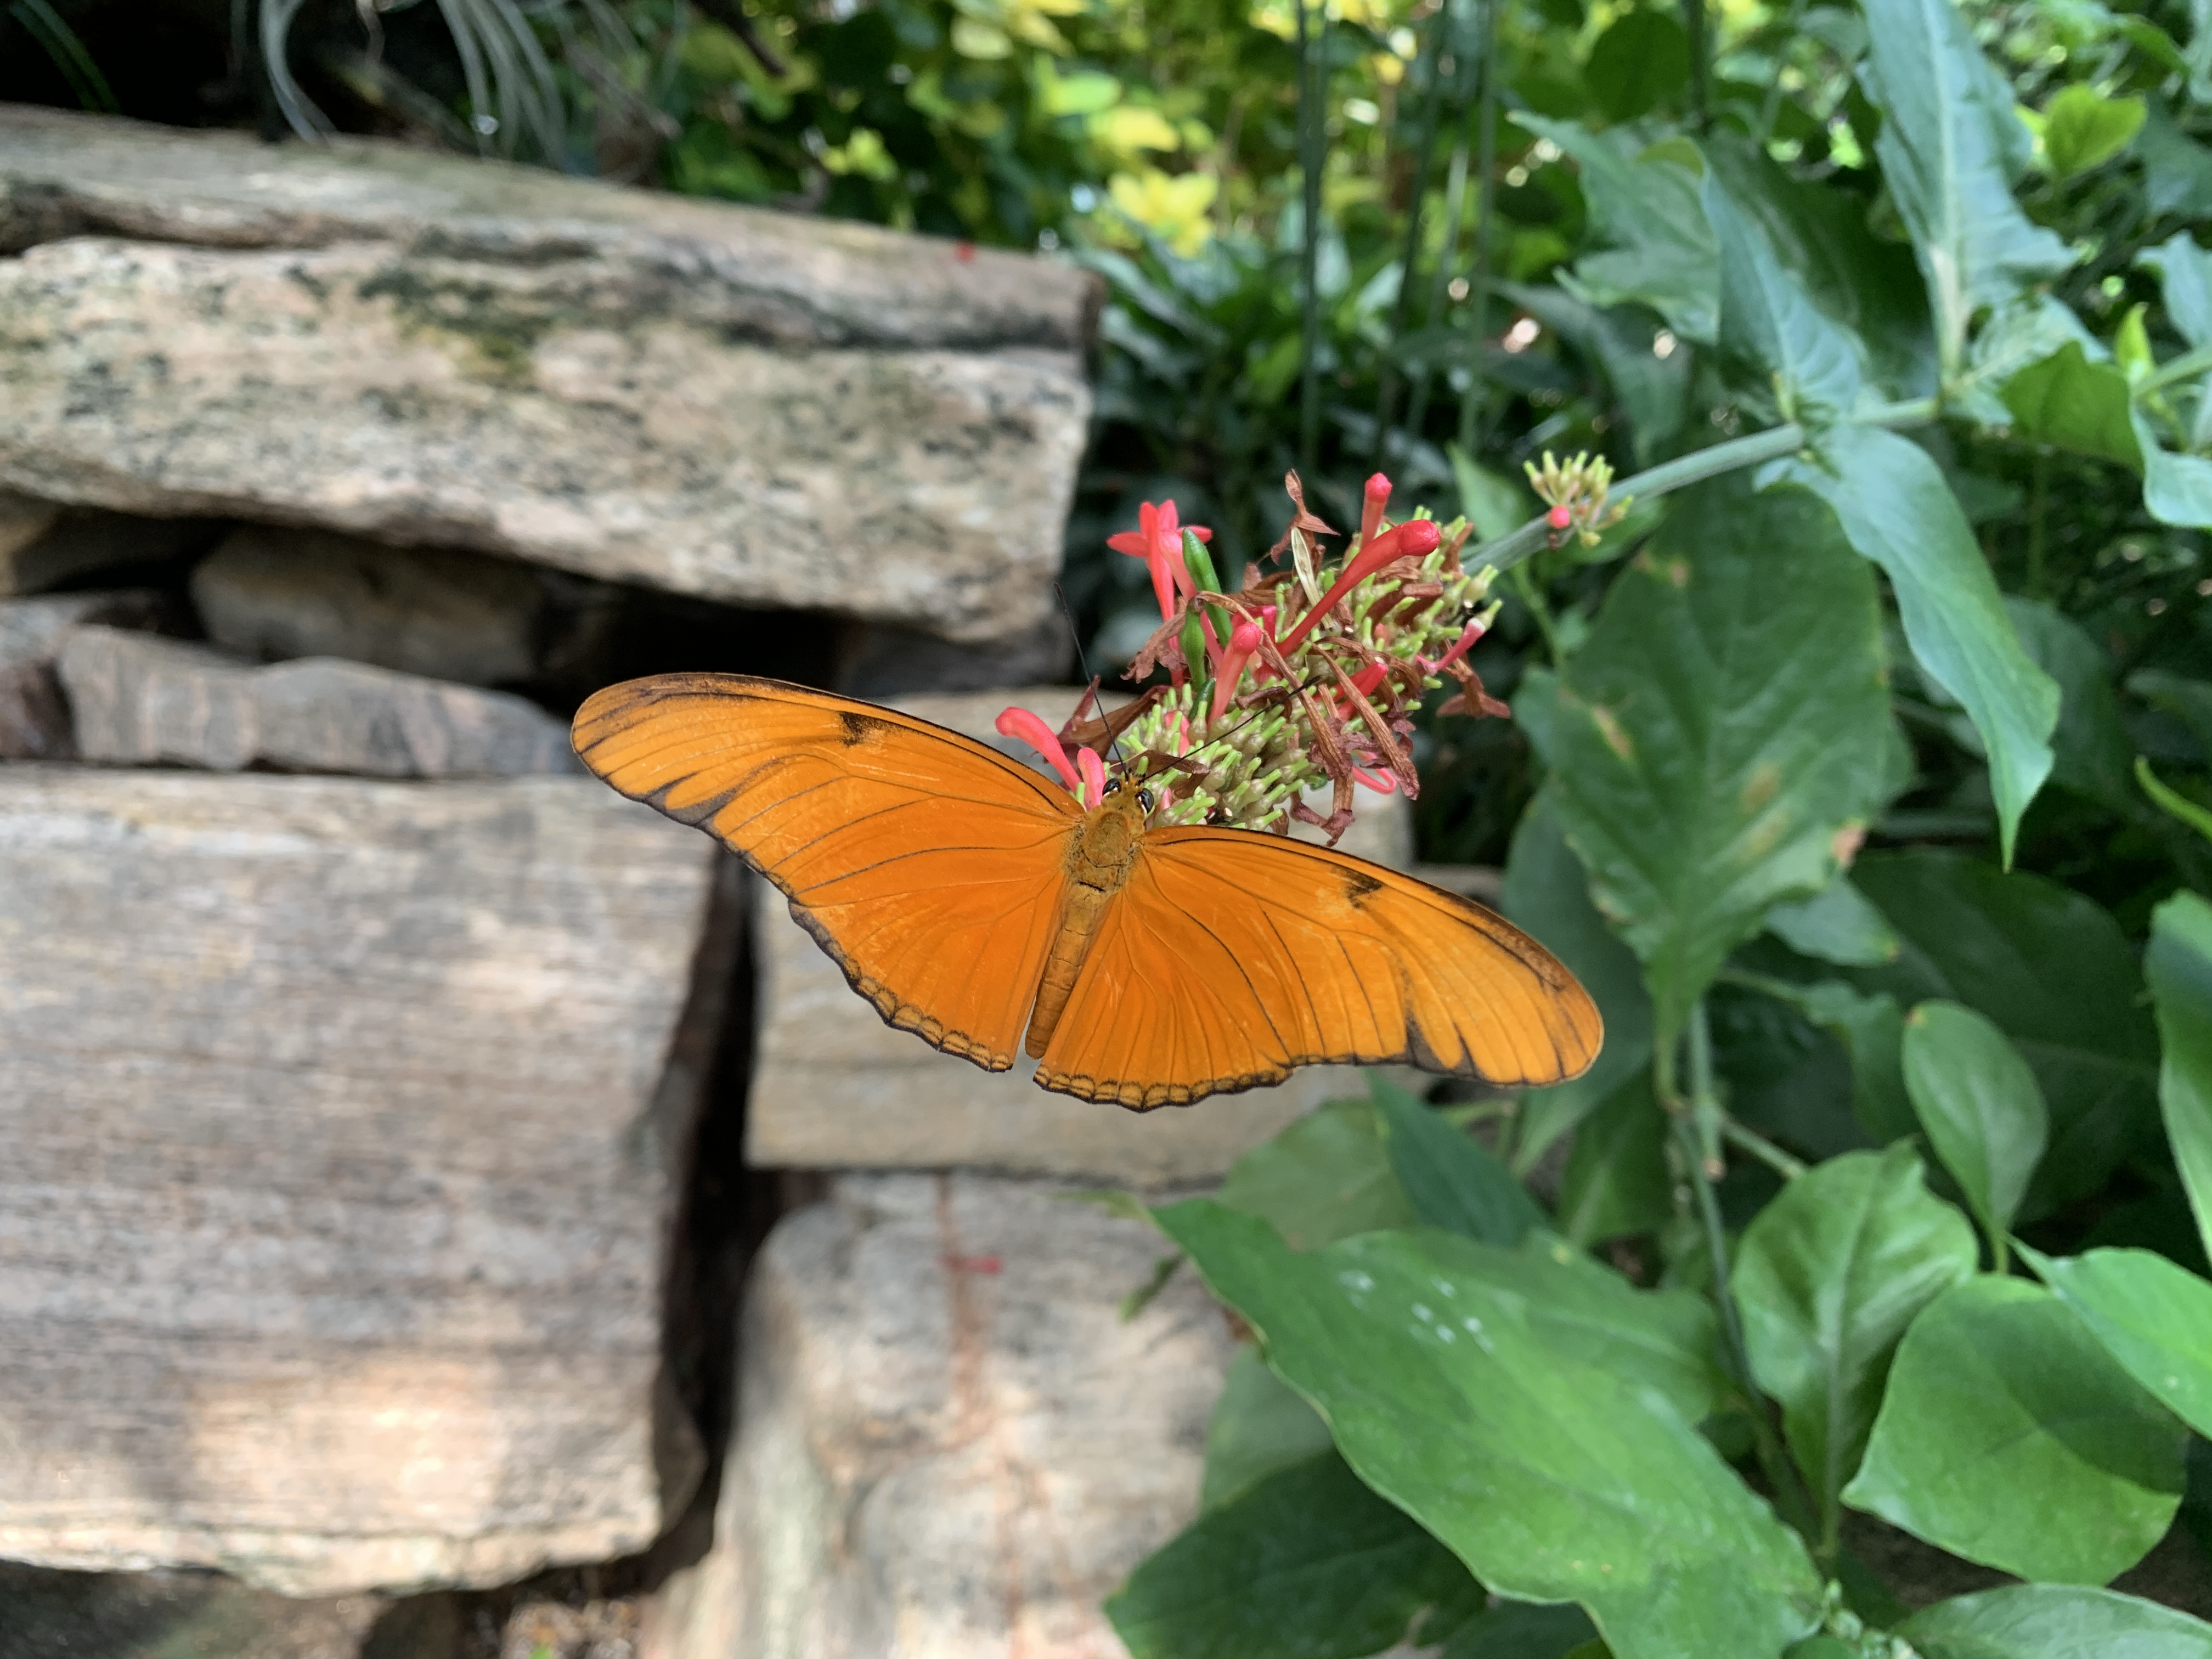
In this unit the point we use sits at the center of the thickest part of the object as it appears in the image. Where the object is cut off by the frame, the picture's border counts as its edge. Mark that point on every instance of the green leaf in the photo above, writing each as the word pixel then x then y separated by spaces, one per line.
pixel 1828 1276
pixel 1978 1100
pixel 1324 1178
pixel 2177 488
pixel 1551 1479
pixel 2003 1413
pixel 2054 1621
pixel 1521 1629
pixel 2022 333
pixel 1768 321
pixel 2188 701
pixel 2152 1315
pixel 1835 925
pixel 1872 1030
pixel 1616 1180
pixel 2083 128
pixel 1640 62
pixel 2090 749
pixel 2179 965
pixel 1547 893
pixel 1651 389
pixel 2184 276
pixel 2171 802
pixel 1258 1426
pixel 1309 1563
pixel 1897 510
pixel 1643 207
pixel 1494 504
pixel 1451 1180
pixel 1950 146
pixel 2069 401
pixel 1725 724
pixel 2055 973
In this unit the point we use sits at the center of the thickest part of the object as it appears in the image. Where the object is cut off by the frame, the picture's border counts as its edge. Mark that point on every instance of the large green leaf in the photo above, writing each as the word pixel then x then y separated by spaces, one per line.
pixel 1950 146
pixel 1643 207
pixel 1835 925
pixel 2056 975
pixel 1897 510
pixel 1641 62
pixel 2177 488
pixel 1810 362
pixel 1724 725
pixel 2082 127
pixel 2153 1315
pixel 1547 894
pixel 2185 275
pixel 1551 1478
pixel 1521 1629
pixel 2071 402
pixel 1616 1180
pixel 2054 1621
pixel 2003 1413
pixel 1307 1564
pixel 1979 1104
pixel 1324 1178
pixel 1258 1426
pixel 2179 967
pixel 2091 750
pixel 1452 1181
pixel 1872 1030
pixel 1828 1277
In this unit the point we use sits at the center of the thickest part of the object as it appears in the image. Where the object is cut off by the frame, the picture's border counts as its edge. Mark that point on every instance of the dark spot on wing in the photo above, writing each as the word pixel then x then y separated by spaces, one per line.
pixel 1357 884
pixel 857 726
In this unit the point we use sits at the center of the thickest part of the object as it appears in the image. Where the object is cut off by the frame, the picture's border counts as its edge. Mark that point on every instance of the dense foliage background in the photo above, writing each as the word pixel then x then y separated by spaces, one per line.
pixel 1865 772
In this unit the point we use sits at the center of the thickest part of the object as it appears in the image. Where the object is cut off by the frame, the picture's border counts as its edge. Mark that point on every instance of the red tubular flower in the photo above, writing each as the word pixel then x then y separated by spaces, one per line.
pixel 1370 511
pixel 1475 630
pixel 1093 793
pixel 1243 639
pixel 1414 537
pixel 1157 540
pixel 1026 728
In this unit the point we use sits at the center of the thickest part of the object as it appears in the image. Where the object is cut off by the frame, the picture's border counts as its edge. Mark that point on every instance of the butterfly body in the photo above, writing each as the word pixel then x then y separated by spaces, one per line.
pixel 979 906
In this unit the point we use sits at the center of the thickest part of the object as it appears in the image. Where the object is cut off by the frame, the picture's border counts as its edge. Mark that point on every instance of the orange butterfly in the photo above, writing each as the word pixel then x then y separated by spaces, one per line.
pixel 967 898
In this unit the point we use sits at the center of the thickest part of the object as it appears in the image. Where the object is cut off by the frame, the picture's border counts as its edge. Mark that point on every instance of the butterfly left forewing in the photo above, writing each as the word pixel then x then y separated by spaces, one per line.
pixel 928 865
pixel 1232 957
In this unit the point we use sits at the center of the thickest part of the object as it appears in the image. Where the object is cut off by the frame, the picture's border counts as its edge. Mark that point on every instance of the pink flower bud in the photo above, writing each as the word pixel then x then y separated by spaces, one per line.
pixel 1371 510
pixel 1559 516
pixel 1093 793
pixel 1243 639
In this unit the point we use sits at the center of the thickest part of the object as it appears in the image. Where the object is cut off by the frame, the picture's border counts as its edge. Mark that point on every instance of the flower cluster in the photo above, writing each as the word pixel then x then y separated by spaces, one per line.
pixel 1302 679
pixel 1576 495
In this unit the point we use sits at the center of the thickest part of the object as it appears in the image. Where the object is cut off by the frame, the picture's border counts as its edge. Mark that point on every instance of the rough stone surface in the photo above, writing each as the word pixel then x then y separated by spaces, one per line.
pixel 834 1087
pixel 949 1444
pixel 343 1123
pixel 764 409
pixel 269 592
pixel 136 699
pixel 23 520
pixel 34 717
pixel 71 545
pixel 165 1615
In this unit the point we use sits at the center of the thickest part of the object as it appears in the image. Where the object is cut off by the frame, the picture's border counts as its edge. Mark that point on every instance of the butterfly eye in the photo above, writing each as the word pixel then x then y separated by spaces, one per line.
pixel 1145 800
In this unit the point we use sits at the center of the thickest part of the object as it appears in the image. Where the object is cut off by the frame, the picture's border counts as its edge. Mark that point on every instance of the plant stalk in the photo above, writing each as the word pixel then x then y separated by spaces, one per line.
pixel 1741 1134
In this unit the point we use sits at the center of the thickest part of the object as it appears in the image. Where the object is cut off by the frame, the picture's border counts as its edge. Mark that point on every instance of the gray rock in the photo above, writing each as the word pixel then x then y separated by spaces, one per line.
pixel 140 701
pixel 74 543
pixel 270 593
pixel 949 1441
pixel 34 717
pixel 344 1121
pixel 23 521
pixel 881 663
pixel 764 409
pixel 833 1087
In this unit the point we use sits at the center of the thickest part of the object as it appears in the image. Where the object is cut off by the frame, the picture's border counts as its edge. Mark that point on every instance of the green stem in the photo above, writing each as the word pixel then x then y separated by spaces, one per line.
pixel 1311 118
pixel 1531 595
pixel 1512 548
pixel 2190 363
pixel 1485 196
pixel 1738 1134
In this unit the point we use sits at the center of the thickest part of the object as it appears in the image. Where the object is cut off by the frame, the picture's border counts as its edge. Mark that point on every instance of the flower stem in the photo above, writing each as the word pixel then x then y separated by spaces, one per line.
pixel 1750 450
pixel 1736 1133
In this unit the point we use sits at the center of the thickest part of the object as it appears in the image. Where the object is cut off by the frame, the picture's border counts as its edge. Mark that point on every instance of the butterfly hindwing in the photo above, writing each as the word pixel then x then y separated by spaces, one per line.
pixel 1232 956
pixel 930 866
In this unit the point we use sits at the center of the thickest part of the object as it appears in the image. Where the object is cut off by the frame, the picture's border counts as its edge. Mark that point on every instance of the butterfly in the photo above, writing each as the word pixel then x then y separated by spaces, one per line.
pixel 980 906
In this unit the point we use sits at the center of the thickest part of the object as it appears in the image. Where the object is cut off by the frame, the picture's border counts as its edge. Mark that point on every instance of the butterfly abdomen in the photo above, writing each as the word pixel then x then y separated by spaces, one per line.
pixel 1098 863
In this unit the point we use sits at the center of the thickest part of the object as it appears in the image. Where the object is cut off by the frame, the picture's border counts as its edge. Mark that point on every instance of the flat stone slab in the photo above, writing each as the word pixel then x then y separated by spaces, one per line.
pixel 343 1122
pixel 950 1443
pixel 834 1087
pixel 765 409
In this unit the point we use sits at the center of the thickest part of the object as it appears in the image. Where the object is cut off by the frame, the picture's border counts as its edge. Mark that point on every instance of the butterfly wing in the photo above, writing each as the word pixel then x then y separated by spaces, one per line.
pixel 930 866
pixel 1232 956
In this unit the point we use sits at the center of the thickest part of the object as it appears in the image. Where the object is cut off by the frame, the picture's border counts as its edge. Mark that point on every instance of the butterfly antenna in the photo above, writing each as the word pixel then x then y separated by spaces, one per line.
pixel 1113 738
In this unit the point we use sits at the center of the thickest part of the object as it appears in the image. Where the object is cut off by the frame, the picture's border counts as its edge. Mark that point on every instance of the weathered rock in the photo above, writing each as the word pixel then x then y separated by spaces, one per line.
pixel 269 593
pixel 833 1087
pixel 71 546
pixel 949 1443
pixel 879 663
pixel 342 1120
pixel 23 520
pixel 34 717
pixel 765 409
pixel 136 699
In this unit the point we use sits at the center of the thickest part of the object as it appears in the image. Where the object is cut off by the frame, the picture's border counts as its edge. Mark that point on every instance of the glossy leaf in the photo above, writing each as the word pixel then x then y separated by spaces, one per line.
pixel 1258 1426
pixel 1547 893
pixel 2073 402
pixel 1551 1479
pixel 1897 511
pixel 1325 1177
pixel 2083 128
pixel 2152 1315
pixel 1616 1179
pixel 1770 323
pixel 1835 925
pixel 1724 725
pixel 1451 1180
pixel 1307 1564
pixel 2002 1411
pixel 1979 1104
pixel 2054 1621
pixel 2056 975
pixel 1828 1277
pixel 2179 965
pixel 1950 146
